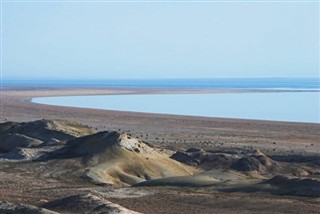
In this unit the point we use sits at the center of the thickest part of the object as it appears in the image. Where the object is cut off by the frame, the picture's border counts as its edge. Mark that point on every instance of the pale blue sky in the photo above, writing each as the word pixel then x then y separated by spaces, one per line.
pixel 160 40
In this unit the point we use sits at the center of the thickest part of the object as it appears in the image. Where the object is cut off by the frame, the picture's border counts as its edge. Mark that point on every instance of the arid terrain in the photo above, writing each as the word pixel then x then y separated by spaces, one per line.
pixel 72 160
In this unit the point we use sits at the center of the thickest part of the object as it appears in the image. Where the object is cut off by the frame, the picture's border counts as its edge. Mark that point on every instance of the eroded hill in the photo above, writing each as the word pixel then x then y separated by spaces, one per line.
pixel 49 166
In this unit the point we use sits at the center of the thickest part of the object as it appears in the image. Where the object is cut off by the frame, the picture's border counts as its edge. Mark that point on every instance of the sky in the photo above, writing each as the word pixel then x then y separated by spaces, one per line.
pixel 159 40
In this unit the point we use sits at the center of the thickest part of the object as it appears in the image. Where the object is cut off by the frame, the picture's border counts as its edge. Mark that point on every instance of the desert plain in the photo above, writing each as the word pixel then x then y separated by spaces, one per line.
pixel 57 159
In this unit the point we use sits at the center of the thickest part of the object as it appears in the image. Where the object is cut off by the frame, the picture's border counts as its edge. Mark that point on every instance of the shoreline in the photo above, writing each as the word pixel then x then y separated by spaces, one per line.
pixel 162 129
pixel 133 97
pixel 57 91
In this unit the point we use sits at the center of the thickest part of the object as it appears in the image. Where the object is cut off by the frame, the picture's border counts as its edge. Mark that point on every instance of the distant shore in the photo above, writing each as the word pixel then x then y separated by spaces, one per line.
pixel 257 105
pixel 164 129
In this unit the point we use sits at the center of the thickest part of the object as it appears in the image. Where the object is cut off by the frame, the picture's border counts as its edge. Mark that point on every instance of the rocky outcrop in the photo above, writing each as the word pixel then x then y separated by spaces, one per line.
pixel 90 203
pixel 116 158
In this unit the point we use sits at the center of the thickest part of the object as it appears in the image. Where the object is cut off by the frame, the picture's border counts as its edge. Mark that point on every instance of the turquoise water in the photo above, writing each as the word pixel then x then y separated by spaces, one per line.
pixel 285 106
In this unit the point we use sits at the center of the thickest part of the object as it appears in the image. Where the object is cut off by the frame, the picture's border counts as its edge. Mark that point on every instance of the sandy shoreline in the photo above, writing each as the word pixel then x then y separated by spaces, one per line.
pixel 163 129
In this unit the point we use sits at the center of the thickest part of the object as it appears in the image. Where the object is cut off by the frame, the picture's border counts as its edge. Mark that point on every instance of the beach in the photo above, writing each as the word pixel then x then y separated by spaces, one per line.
pixel 43 183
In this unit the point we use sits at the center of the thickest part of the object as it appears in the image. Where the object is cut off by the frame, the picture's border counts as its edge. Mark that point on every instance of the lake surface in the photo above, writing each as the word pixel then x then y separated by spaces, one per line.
pixel 284 106
pixel 197 83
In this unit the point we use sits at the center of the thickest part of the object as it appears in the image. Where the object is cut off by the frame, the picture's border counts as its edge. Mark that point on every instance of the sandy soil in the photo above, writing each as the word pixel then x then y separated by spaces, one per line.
pixel 56 184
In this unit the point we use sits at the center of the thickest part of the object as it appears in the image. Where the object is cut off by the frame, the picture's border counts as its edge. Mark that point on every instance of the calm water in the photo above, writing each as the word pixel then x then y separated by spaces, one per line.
pixel 286 106
pixel 214 83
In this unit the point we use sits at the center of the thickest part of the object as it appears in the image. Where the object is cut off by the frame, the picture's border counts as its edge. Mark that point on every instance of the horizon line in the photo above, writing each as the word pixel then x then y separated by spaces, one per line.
pixel 169 78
